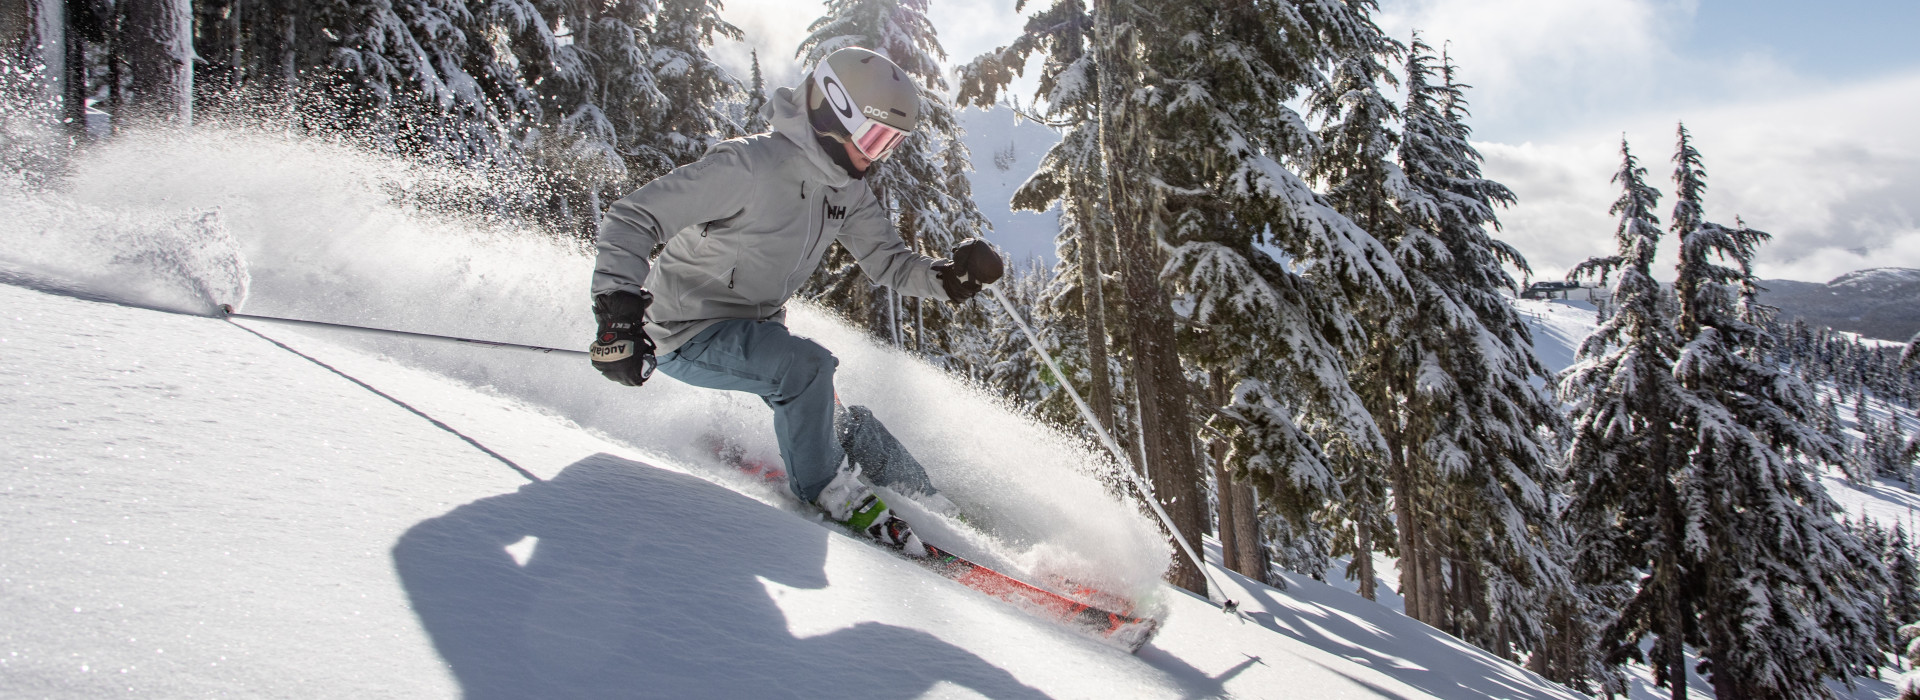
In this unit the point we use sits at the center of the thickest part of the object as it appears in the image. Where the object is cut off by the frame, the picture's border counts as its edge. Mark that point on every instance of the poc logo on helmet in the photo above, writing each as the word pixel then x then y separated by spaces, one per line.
pixel 874 112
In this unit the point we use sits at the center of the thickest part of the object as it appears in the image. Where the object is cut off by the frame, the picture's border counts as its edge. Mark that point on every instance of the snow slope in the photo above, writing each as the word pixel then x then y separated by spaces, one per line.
pixel 196 507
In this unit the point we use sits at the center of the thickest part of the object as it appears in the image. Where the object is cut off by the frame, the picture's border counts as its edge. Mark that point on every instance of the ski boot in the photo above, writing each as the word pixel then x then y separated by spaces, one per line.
pixel 851 502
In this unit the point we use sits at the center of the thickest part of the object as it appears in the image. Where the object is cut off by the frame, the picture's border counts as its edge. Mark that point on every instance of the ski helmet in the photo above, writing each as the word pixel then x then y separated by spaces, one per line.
pixel 857 96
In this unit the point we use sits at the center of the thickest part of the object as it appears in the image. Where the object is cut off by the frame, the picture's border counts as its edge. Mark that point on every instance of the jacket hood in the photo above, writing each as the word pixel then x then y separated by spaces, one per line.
pixel 789 119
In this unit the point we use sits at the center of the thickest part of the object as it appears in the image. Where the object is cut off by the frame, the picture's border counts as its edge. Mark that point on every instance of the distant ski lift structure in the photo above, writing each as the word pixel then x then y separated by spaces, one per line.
pixel 1563 290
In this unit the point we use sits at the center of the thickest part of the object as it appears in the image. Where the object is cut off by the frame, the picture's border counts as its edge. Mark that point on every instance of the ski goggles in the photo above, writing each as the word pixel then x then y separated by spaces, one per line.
pixel 877 140
pixel 873 138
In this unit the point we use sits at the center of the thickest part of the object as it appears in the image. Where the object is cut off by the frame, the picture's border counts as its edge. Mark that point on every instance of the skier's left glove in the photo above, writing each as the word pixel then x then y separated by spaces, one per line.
pixel 621 349
pixel 975 263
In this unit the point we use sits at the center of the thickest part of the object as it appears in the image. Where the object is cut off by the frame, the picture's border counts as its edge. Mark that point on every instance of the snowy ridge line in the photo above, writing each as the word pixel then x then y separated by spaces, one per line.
pixel 1228 605
pixel 230 314
pixel 397 402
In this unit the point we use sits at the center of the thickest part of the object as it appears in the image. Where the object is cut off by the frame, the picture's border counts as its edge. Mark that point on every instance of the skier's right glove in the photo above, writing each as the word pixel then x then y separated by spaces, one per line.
pixel 621 349
pixel 975 263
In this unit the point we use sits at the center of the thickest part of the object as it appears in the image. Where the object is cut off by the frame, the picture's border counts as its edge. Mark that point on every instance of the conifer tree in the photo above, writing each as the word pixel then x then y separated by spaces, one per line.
pixel 1692 463
pixel 1190 102
pixel 1782 586
pixel 696 92
pixel 755 121
pixel 1280 327
pixel 1626 513
pixel 1470 455
pixel 1903 582
pixel 419 76
pixel 918 183
pixel 598 97
pixel 1355 163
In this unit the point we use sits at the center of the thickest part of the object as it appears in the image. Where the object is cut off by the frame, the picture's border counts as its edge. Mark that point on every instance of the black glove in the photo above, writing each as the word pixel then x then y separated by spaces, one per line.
pixel 975 263
pixel 621 349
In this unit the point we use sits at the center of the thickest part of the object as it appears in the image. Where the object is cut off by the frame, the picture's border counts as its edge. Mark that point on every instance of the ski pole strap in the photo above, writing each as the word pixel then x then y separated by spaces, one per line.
pixel 228 312
pixel 1126 465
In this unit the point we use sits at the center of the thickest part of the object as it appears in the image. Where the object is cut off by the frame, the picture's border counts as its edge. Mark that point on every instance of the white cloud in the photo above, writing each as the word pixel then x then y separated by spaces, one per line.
pixel 1830 169
pixel 1540 68
pixel 1833 174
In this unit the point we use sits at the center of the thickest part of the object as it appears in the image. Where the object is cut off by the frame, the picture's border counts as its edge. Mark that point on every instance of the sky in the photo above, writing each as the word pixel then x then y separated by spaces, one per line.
pixel 1800 109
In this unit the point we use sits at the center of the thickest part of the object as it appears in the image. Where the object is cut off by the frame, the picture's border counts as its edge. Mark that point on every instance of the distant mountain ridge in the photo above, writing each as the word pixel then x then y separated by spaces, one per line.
pixel 1882 302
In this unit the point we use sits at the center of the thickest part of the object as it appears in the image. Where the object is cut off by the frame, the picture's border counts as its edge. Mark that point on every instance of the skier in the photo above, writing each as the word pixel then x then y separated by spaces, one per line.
pixel 743 228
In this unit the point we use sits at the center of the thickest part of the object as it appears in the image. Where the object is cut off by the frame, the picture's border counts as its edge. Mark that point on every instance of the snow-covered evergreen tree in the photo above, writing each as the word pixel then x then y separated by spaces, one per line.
pixel 755 118
pixel 1784 588
pixel 1626 512
pixel 1884 450
pixel 1282 327
pixel 1450 380
pixel 598 96
pixel 921 183
pixel 421 76
pixel 1698 512
pixel 696 92
pixel 1355 164
pixel 1903 580
pixel 1009 365
pixel 1191 102
pixel 1909 685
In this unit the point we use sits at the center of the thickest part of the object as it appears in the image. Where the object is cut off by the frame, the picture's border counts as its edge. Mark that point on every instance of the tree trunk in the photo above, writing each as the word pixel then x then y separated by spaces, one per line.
pixel 1093 311
pixel 1227 506
pixel 1252 559
pixel 1223 488
pixel 1433 579
pixel 33 34
pixel 80 24
pixel 1412 569
pixel 274 66
pixel 1363 559
pixel 1158 382
pixel 158 38
pixel 117 65
pixel 216 39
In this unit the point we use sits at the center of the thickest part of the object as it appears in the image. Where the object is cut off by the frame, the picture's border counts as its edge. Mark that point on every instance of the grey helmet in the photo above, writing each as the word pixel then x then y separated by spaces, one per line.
pixel 857 96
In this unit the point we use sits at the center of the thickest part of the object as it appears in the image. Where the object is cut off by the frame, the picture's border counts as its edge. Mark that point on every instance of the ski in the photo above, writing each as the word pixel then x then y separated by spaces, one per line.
pixel 1078 610
pixel 1126 631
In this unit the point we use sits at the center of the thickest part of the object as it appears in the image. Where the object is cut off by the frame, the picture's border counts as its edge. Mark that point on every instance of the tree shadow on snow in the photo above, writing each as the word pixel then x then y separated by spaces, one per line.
pixel 647 583
pixel 1440 666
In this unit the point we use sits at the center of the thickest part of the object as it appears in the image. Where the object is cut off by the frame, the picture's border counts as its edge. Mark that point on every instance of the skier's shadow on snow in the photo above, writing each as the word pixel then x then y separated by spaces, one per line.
pixel 647 583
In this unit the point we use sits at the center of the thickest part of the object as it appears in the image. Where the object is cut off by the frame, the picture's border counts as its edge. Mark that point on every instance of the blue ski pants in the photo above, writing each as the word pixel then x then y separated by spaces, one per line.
pixel 794 376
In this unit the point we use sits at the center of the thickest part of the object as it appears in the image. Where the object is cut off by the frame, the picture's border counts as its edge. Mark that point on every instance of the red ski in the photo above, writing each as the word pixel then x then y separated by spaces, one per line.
pixel 1081 610
pixel 1126 631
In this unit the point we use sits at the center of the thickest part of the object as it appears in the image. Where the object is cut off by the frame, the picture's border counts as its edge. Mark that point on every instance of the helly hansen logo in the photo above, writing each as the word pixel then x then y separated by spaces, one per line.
pixel 834 212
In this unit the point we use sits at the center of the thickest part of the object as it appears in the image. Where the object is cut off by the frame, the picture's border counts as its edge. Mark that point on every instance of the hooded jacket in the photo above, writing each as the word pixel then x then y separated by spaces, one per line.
pixel 744 228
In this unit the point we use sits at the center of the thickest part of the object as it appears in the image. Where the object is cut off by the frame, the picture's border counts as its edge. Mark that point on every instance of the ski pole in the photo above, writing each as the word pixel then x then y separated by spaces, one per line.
pixel 230 313
pixel 1126 465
